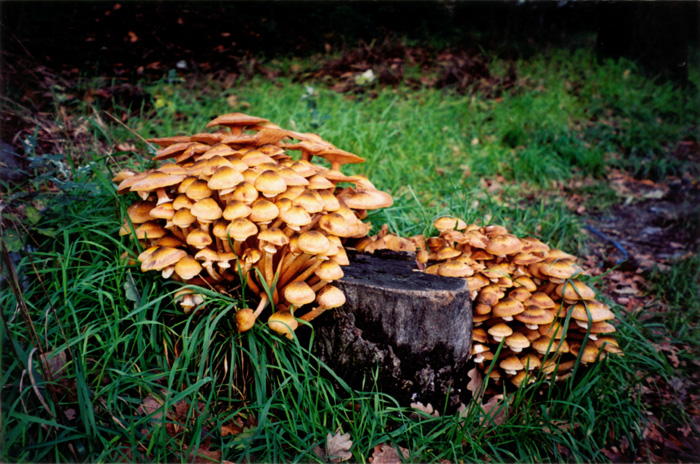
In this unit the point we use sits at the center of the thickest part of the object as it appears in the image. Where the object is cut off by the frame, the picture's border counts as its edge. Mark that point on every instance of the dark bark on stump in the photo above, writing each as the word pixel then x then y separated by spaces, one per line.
pixel 413 328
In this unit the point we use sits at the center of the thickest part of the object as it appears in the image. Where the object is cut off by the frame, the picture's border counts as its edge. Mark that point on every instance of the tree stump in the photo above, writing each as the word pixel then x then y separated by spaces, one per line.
pixel 413 329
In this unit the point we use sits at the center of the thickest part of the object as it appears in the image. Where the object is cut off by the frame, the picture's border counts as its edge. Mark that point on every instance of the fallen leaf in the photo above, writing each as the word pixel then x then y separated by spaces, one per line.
pixel 386 453
pixel 230 429
pixel 338 447
pixel 476 381
pixel 126 147
pixel 494 410
pixel 55 363
pixel 427 409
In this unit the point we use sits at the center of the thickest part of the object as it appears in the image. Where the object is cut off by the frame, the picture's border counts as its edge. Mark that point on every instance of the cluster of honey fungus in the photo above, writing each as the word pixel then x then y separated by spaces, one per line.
pixel 527 298
pixel 233 204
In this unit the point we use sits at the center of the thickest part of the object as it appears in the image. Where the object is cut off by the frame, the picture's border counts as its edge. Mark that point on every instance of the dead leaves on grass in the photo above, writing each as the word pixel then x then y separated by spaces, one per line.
pixel 387 453
pixel 337 448
pixel 180 419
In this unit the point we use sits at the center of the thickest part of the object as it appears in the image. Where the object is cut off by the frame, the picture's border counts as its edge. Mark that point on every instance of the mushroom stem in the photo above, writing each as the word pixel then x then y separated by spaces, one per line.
pixel 314 264
pixel 268 273
pixel 251 283
pixel 313 314
pixel 177 232
pixel 312 224
pixel 162 196
pixel 292 267
pixel 319 285
pixel 261 305
pixel 278 222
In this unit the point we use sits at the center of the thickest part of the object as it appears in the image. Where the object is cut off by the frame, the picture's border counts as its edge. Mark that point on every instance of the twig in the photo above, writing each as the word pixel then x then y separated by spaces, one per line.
pixel 615 243
pixel 150 145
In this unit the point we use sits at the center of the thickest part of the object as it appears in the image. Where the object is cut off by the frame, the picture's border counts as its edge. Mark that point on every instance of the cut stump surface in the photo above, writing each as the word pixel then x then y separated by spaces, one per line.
pixel 413 328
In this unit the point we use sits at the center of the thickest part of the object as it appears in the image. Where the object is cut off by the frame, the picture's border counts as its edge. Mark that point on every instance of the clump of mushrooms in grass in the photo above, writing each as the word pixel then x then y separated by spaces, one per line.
pixel 526 296
pixel 234 203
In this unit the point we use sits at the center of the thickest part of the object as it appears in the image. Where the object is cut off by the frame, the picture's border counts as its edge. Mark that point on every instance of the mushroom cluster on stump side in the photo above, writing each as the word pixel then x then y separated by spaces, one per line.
pixel 527 297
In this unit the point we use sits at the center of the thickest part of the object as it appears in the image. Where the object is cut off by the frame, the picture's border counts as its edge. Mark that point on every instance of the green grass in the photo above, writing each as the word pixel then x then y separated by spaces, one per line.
pixel 433 150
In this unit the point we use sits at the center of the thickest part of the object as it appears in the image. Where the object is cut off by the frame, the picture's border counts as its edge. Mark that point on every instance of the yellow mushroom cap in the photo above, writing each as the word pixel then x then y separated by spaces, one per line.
pixel 270 184
pixel 162 258
pixel 163 211
pixel 530 361
pixel 589 354
pixel 187 268
pixel 263 211
pixel 541 300
pixel 206 210
pixel 517 342
pixel 225 177
pixel 245 319
pixel 198 190
pixel 330 297
pixel 504 244
pixel 299 294
pixel 183 218
pixel 367 199
pixel 199 239
pixel 313 242
pixel 156 180
pixel 310 200
pixel 575 290
pixel 500 331
pixel 140 211
pixel 319 182
pixel 508 307
pixel 525 282
pixel 182 201
pixel 544 345
pixel 598 312
pixel 511 365
pixel 272 238
pixel 560 268
pixel 245 192
pixel 329 271
pixel 150 230
pixel 449 223
pixel 455 269
pixel 236 209
pixel 533 245
pixel 241 228
pixel 534 316
pixel 236 119
pixel 283 322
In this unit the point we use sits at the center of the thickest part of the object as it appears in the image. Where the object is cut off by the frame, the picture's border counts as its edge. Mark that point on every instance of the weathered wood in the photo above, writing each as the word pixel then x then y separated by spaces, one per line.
pixel 414 329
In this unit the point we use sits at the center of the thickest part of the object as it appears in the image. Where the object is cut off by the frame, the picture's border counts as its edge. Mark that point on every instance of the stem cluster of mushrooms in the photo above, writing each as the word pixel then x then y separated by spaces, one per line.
pixel 528 299
pixel 234 206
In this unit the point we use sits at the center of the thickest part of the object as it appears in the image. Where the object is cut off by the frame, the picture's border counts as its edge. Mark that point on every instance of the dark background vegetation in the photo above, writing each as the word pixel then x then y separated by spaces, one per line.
pixel 216 35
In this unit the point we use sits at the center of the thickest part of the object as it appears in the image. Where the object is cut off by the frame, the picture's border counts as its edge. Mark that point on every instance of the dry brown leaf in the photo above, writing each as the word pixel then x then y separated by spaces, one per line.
pixel 427 409
pixel 338 447
pixel 494 410
pixel 56 364
pixel 202 456
pixel 230 429
pixel 386 453
pixel 476 381
pixel 150 405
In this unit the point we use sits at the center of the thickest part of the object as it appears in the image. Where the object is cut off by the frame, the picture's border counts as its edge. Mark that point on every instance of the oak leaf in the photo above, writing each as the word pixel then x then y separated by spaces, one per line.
pixel 338 447
pixel 386 453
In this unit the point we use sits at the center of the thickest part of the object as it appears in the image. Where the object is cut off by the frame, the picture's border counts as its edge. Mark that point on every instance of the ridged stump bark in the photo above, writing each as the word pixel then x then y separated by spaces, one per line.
pixel 411 329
